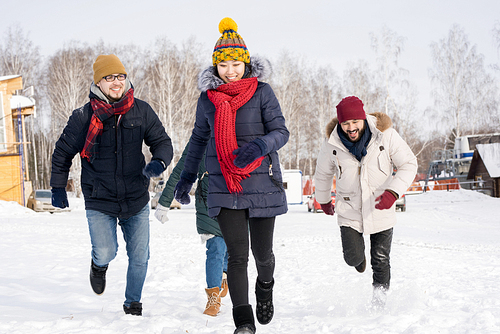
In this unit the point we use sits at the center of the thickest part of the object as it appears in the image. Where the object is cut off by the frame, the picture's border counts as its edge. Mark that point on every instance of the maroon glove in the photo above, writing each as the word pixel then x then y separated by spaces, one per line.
pixel 385 201
pixel 328 208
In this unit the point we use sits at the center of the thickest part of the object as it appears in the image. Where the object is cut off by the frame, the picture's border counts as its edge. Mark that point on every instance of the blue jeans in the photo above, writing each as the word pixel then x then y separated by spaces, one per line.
pixel 102 228
pixel 216 262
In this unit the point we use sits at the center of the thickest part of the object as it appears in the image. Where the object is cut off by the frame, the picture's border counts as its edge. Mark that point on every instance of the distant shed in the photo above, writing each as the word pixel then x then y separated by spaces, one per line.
pixel 15 183
pixel 485 169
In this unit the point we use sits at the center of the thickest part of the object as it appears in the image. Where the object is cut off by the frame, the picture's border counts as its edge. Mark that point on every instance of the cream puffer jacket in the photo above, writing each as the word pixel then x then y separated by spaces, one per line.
pixel 359 183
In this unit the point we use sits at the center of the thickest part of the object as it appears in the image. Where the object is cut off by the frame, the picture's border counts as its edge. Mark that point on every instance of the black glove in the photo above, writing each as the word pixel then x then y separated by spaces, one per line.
pixel 153 169
pixel 59 198
pixel 248 153
pixel 182 188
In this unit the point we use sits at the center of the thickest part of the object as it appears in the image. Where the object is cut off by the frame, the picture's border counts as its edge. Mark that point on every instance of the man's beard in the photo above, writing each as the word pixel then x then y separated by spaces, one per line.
pixel 360 134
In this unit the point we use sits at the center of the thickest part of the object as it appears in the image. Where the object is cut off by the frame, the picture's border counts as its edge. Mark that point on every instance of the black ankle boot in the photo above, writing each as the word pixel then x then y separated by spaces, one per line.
pixel 265 307
pixel 243 319
pixel 362 266
pixel 134 309
pixel 98 278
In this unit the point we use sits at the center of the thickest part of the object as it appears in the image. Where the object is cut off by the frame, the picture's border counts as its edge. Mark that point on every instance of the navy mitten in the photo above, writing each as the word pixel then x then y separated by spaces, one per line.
pixel 249 152
pixel 182 188
pixel 153 169
pixel 59 198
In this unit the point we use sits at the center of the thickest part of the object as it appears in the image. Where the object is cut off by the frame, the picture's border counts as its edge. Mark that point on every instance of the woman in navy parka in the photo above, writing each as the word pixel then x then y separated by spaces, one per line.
pixel 240 124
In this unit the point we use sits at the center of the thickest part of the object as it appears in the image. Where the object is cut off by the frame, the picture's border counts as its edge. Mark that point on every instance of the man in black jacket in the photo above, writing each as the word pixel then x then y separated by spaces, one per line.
pixel 108 132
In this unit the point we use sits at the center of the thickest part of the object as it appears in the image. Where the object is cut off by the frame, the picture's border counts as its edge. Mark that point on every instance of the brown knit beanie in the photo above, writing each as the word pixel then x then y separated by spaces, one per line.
pixel 105 65
pixel 350 108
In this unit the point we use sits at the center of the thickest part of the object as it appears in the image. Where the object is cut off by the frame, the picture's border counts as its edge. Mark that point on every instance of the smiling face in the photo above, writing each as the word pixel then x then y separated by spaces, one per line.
pixel 113 90
pixel 231 70
pixel 354 129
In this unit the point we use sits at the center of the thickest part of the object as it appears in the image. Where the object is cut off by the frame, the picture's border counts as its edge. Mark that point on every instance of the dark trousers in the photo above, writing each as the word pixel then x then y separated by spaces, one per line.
pixel 235 226
pixel 353 246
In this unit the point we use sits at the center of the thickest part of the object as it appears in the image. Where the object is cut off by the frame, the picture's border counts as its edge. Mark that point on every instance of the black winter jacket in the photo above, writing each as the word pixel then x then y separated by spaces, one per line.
pixel 113 183
pixel 261 117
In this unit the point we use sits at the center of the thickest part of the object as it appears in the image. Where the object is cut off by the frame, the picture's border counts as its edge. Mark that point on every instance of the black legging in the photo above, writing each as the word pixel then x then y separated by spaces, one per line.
pixel 353 246
pixel 235 225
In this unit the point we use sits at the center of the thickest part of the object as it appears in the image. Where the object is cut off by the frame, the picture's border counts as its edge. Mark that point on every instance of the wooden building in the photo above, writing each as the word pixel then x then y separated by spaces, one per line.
pixel 15 184
pixel 485 169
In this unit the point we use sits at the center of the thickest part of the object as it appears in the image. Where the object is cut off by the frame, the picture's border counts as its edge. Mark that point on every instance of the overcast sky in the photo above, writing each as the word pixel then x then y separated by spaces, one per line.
pixel 325 32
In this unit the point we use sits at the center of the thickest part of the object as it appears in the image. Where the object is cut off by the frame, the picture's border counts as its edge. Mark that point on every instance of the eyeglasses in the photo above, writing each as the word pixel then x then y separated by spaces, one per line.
pixel 111 77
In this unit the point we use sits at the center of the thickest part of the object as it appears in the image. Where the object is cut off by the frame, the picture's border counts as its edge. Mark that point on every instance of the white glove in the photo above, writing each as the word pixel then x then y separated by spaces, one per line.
pixel 161 213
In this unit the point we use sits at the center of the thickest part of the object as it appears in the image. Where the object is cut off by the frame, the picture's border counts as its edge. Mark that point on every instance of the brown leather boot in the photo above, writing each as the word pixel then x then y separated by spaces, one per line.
pixel 224 288
pixel 213 304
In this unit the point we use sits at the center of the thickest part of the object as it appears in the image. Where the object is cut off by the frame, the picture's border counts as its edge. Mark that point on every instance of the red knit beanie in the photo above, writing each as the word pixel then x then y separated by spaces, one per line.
pixel 350 108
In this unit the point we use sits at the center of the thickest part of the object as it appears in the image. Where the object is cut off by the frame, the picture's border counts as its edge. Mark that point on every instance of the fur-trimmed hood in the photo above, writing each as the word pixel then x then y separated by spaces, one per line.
pixel 261 69
pixel 384 122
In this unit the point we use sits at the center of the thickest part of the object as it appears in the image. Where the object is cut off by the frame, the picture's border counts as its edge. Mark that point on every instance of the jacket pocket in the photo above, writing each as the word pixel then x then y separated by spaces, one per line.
pixel 136 186
pixel 99 191
pixel 131 130
pixel 348 204
pixel 107 137
pixel 384 163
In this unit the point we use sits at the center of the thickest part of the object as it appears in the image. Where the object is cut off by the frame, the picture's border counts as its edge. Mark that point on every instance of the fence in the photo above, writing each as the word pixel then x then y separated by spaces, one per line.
pixel 450 184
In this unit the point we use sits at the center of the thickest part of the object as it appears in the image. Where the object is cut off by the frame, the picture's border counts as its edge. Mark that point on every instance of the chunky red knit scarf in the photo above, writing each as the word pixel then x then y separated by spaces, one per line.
pixel 228 98
pixel 103 111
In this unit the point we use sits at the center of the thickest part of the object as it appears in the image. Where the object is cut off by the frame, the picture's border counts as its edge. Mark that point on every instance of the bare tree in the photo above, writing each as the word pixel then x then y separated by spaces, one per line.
pixel 400 95
pixel 464 93
pixel 324 84
pixel 359 80
pixel 18 55
pixel 68 75
pixel 289 85
pixel 388 47
pixel 496 41
pixel 171 88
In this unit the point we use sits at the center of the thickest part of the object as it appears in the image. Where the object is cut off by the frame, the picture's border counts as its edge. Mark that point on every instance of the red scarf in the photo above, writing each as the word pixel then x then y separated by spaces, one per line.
pixel 228 98
pixel 103 111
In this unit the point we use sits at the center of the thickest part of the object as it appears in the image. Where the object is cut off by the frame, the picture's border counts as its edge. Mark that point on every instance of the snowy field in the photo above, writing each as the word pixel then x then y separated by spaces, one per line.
pixel 445 274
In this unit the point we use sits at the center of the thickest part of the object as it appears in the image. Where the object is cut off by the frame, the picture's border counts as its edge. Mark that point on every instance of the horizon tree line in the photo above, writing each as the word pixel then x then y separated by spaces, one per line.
pixel 465 93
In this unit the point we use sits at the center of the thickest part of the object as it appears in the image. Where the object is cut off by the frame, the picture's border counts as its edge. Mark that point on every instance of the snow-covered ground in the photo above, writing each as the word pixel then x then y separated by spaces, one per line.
pixel 445 274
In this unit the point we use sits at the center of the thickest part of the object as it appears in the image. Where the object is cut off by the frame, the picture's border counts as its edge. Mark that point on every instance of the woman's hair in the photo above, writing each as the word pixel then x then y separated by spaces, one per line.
pixel 248 71
pixel 247 74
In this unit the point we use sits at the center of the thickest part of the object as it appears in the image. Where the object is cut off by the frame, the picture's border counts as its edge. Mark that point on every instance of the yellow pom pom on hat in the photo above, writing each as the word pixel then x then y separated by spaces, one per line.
pixel 105 65
pixel 230 46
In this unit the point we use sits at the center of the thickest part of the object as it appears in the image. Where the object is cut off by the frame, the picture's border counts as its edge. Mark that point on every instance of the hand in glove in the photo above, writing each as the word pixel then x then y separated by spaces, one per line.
pixel 153 169
pixel 385 201
pixel 248 153
pixel 182 188
pixel 328 208
pixel 59 198
pixel 161 213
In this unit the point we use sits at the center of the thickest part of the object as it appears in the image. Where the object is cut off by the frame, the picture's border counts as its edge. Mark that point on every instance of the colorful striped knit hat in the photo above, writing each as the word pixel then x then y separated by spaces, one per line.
pixel 230 45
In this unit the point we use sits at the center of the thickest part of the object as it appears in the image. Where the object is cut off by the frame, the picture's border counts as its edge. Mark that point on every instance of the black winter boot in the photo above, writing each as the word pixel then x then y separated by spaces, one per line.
pixel 265 307
pixel 98 278
pixel 243 319
pixel 362 266
pixel 134 309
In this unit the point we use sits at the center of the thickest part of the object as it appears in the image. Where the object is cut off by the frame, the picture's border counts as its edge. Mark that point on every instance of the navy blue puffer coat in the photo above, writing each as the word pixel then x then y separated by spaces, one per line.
pixel 113 183
pixel 261 117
